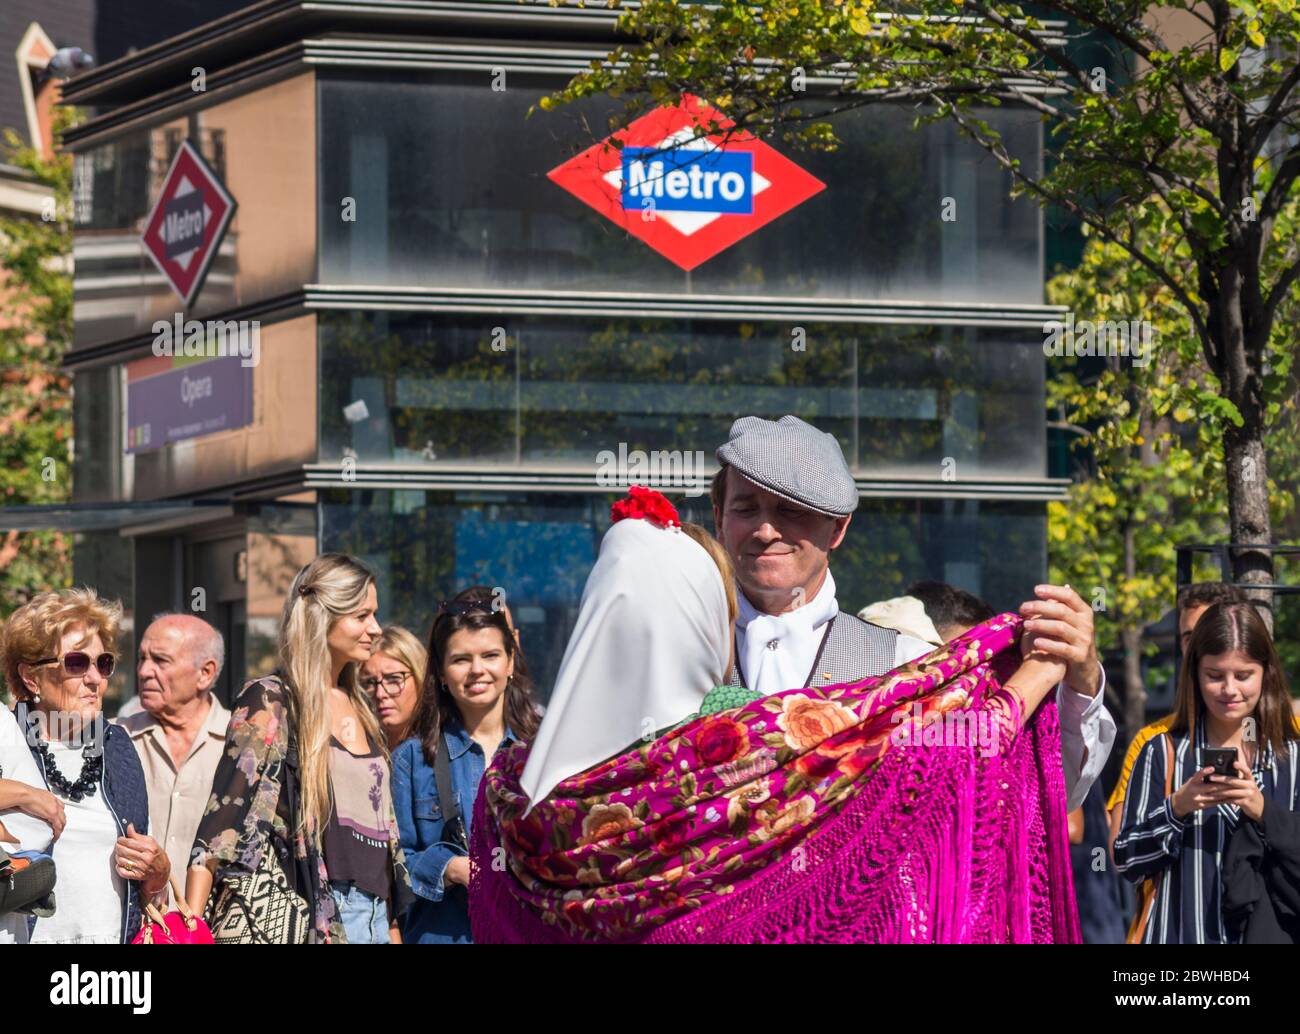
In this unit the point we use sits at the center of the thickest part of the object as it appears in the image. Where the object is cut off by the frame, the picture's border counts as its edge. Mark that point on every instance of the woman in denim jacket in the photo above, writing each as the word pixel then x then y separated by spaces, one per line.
pixel 477 696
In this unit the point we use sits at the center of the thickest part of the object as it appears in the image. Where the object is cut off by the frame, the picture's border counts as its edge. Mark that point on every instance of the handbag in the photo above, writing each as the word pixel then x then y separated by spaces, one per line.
pixel 27 882
pixel 1151 885
pixel 178 927
pixel 261 907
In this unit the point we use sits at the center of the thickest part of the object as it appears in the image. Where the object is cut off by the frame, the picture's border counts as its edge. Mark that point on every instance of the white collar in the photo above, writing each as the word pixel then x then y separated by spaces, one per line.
pixel 777 651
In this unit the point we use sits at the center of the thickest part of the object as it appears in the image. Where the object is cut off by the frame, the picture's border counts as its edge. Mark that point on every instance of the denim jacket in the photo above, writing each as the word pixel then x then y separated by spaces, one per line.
pixel 440 914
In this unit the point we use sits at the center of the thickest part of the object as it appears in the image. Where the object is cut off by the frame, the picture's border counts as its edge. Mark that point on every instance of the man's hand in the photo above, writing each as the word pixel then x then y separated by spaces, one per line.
pixel 1060 623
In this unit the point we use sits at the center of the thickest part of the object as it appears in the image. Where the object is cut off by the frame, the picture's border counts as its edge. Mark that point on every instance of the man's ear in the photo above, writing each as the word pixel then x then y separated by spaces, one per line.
pixel 841 527
pixel 207 674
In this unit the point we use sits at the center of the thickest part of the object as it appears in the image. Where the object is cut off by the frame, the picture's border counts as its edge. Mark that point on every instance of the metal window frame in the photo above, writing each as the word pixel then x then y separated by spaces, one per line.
pixel 1185 555
pixel 616 304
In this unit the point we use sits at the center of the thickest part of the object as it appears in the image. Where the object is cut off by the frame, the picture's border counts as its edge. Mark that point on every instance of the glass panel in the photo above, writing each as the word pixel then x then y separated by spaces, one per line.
pixel 106 561
pixel 930 402
pixel 97 446
pixel 262 146
pixel 425 546
pixel 280 540
pixel 451 188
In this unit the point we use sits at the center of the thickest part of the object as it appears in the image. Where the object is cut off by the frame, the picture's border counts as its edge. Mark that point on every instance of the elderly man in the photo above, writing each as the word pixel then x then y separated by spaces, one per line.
pixel 181 731
pixel 782 503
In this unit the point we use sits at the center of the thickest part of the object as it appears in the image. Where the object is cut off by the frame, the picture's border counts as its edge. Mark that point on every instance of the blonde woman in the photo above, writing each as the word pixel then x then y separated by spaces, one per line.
pixel 305 774
pixel 392 679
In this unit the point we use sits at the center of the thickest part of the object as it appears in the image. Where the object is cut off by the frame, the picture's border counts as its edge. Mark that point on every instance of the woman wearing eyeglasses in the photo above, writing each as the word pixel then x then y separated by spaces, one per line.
pixel 59 652
pixel 475 699
pixel 392 679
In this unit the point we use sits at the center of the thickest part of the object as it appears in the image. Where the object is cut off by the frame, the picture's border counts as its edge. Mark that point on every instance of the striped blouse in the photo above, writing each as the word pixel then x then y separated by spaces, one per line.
pixel 1188 852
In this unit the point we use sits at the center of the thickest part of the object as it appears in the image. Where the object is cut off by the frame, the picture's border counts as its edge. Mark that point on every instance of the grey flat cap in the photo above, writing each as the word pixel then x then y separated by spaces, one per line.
pixel 794 460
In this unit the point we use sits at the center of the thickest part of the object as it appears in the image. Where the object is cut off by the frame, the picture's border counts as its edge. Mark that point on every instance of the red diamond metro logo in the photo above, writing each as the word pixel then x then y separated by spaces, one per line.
pixel 687 198
pixel 188 220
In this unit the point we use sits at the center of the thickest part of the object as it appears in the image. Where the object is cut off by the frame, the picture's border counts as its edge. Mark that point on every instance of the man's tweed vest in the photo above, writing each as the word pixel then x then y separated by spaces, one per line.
pixel 851 649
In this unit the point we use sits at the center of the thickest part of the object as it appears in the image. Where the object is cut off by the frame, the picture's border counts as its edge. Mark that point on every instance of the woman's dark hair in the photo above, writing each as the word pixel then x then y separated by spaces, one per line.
pixel 951 609
pixel 1201 594
pixel 1223 628
pixel 469 611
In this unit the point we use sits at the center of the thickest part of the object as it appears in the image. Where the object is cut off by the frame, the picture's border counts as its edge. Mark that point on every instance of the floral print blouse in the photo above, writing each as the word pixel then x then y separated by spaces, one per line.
pixel 249 810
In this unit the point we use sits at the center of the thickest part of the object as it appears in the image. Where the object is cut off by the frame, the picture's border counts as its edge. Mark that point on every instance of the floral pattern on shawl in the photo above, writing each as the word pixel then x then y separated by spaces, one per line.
pixel 248 809
pixel 676 825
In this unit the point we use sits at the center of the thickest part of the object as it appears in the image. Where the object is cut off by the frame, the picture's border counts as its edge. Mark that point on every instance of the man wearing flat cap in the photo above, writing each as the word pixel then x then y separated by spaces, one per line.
pixel 782 503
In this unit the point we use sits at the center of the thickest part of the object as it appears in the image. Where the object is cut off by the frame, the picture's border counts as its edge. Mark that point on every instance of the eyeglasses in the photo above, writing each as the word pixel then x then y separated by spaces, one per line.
pixel 77 662
pixel 392 683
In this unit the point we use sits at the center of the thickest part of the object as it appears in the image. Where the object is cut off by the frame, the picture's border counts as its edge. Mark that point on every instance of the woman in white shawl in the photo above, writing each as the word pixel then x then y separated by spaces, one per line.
pixel 653 637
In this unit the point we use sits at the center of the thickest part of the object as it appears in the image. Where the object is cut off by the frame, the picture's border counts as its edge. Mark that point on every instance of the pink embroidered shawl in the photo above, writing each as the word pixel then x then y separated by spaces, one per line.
pixel 871 811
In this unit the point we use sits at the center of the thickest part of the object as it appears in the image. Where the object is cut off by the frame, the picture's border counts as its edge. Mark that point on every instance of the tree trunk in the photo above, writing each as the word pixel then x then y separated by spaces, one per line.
pixel 1240 338
pixel 1135 690
pixel 1248 516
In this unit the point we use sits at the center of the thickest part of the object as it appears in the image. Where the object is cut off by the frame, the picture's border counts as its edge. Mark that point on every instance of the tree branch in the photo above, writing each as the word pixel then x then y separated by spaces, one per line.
pixel 1035 187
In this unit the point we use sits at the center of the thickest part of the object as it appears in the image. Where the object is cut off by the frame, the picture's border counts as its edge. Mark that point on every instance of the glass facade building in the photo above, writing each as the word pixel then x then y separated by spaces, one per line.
pixel 449 341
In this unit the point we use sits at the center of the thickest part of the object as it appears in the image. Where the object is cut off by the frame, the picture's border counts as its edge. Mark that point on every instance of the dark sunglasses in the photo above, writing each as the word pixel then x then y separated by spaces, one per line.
pixel 77 662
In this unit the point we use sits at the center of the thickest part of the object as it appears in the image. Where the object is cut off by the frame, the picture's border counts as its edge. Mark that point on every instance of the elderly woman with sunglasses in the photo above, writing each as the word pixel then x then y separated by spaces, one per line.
pixel 58 653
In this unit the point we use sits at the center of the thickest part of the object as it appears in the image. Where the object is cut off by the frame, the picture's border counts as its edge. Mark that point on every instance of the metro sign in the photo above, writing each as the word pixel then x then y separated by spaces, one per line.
pixel 188 220
pixel 688 198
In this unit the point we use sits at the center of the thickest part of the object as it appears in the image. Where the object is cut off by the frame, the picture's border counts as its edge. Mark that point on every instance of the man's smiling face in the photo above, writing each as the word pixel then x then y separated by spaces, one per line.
pixel 777 546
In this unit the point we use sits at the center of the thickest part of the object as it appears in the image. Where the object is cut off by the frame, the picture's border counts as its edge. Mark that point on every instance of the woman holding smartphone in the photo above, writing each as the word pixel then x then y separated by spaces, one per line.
pixel 1226 766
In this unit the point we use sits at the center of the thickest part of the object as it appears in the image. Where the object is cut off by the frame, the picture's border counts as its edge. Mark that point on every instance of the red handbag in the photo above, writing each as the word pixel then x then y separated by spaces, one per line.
pixel 179 927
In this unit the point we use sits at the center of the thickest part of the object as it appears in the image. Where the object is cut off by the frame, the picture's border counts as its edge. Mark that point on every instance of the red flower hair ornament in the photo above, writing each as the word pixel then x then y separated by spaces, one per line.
pixel 645 504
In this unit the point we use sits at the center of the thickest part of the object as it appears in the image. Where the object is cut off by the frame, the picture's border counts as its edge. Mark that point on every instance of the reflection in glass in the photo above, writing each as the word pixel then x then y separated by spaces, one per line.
pixel 928 402
pixel 262 146
pixel 450 182
pixel 539 549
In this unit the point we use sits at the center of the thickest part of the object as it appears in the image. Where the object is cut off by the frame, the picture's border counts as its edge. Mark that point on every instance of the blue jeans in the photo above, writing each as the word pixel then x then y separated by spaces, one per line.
pixel 364 916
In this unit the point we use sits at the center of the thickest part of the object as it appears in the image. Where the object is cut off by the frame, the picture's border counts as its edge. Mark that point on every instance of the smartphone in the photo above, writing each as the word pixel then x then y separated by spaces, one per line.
pixel 1222 758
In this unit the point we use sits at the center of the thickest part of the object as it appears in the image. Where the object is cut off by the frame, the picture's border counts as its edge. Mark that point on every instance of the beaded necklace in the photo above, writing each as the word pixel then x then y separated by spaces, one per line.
pixel 92 771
